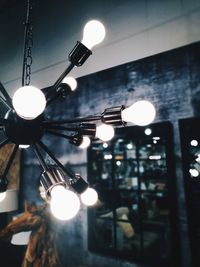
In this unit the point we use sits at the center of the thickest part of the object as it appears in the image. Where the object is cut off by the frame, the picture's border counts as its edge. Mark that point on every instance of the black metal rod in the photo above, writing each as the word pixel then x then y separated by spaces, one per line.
pixel 40 158
pixel 10 161
pixel 76 120
pixel 27 25
pixel 63 75
pixel 67 170
pixel 59 134
pixel 6 95
pixel 62 128
pixel 5 102
pixel 4 142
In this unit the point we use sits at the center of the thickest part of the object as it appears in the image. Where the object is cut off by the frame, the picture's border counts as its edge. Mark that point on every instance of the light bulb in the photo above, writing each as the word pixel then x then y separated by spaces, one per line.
pixel 64 203
pixel 105 132
pixel 24 146
pixel 148 131
pixel 89 197
pixel 194 172
pixel 93 33
pixel 71 82
pixel 29 102
pixel 2 196
pixel 140 113
pixel 85 143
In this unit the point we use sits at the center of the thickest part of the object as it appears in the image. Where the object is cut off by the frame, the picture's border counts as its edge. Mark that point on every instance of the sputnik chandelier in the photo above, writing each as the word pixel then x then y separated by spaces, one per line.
pixel 25 125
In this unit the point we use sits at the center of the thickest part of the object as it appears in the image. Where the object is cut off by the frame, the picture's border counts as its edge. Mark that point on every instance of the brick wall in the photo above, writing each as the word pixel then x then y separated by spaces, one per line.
pixel 171 81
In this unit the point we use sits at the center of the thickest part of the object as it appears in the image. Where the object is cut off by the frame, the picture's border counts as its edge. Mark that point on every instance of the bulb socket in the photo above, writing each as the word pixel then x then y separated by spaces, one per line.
pixel 76 139
pixel 88 129
pixel 79 54
pixel 50 178
pixel 78 184
pixel 112 116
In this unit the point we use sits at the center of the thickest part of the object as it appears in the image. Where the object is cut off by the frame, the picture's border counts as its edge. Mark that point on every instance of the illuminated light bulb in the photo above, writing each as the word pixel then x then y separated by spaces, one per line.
pixel 194 142
pixel 93 33
pixel 105 132
pixel 129 146
pixel 64 203
pixel 85 143
pixel 140 113
pixel 148 131
pixel 24 146
pixel 89 197
pixel 105 145
pixel 2 196
pixel 194 172
pixel 29 102
pixel 118 163
pixel 71 82
pixel 107 156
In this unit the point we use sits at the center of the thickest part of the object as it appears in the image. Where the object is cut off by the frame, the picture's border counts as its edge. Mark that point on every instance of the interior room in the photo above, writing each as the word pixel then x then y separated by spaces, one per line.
pixel 99 133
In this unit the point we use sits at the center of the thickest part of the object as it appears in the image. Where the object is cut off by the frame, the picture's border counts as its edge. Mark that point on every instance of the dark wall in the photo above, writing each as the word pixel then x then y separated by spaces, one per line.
pixel 171 81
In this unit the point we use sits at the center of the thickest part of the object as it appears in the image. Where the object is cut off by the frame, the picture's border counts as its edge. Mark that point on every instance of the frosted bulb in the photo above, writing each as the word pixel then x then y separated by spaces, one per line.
pixel 29 102
pixel 140 113
pixel 105 132
pixel 64 203
pixel 2 196
pixel 85 143
pixel 71 82
pixel 93 33
pixel 89 197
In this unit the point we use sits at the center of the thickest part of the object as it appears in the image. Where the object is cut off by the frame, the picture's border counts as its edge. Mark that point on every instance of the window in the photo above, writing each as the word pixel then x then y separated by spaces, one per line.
pixel 133 175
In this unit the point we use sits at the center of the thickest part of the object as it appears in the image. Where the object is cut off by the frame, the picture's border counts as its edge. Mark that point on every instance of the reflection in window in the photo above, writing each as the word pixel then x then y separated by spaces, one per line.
pixel 132 217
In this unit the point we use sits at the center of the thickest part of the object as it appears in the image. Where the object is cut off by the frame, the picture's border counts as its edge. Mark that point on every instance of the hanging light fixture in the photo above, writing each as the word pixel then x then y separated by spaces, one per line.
pixel 25 124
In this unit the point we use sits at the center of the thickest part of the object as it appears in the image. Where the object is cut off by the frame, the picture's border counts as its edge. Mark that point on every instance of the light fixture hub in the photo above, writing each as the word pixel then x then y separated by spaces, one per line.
pixel 20 131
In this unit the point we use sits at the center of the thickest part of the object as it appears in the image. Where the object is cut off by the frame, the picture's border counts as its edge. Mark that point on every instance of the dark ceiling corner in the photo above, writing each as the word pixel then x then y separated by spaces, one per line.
pixel 7 4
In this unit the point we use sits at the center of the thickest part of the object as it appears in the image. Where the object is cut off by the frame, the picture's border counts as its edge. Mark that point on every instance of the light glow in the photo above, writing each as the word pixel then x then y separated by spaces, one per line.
pixel 29 102
pixel 140 113
pixel 71 82
pixel 105 132
pixel 194 172
pixel 93 33
pixel 85 143
pixel 24 146
pixel 194 143
pixel 89 197
pixel 64 203
pixel 105 145
pixel 148 131
pixel 130 146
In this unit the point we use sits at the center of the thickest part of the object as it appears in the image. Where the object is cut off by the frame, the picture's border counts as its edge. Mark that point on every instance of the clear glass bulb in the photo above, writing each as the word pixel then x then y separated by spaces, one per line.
pixel 105 132
pixel 2 196
pixel 29 102
pixel 89 197
pixel 85 143
pixel 64 203
pixel 93 33
pixel 71 82
pixel 140 113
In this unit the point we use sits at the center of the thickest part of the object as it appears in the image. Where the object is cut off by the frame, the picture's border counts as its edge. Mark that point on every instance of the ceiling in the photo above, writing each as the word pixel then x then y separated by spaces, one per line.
pixel 6 4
